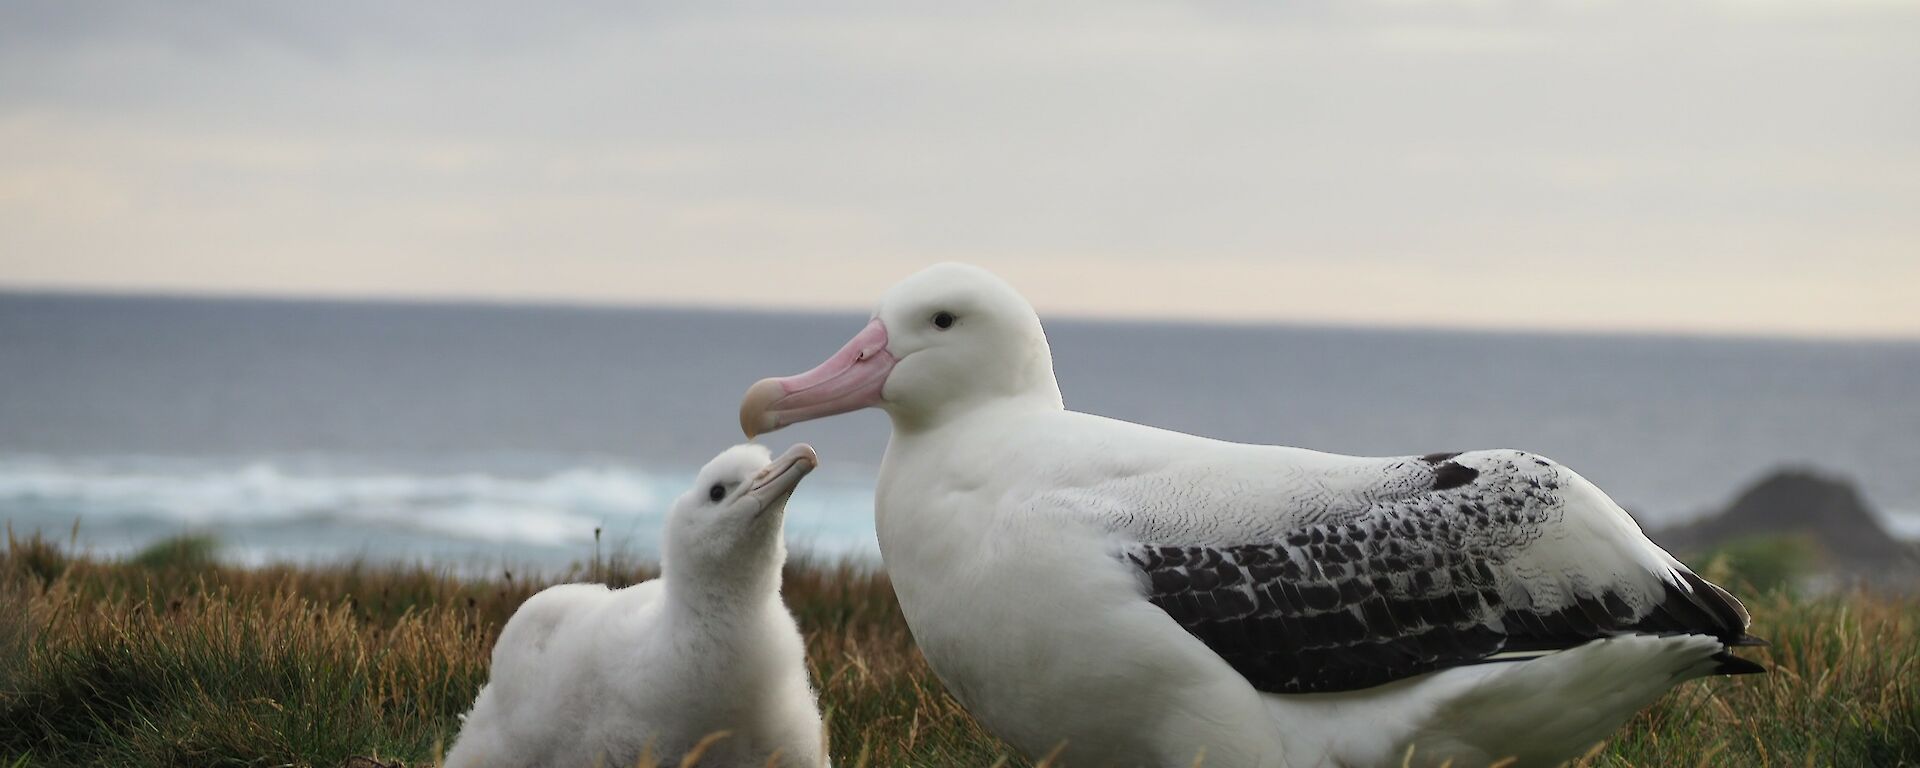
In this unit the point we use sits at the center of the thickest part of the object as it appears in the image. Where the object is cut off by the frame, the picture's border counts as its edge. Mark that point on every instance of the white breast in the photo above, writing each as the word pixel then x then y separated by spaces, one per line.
pixel 1063 618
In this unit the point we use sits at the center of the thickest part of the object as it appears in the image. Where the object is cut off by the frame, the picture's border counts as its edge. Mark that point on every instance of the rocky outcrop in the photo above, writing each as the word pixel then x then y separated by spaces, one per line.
pixel 1799 502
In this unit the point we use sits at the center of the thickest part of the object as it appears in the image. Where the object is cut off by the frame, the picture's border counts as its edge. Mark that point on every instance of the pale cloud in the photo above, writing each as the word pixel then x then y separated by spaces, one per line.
pixel 1603 165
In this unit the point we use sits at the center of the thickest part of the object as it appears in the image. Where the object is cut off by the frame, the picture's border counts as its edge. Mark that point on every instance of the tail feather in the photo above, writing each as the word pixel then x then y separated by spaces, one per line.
pixel 1728 664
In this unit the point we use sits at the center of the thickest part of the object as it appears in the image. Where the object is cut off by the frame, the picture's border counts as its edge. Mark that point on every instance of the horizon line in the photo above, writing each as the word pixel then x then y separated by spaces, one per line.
pixel 606 304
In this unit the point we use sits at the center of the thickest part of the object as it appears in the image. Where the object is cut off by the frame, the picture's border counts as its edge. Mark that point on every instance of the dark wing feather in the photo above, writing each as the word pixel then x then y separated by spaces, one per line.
pixel 1412 587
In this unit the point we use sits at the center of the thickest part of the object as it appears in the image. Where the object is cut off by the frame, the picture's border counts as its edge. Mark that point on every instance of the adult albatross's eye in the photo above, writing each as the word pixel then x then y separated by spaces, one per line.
pixel 717 492
pixel 943 320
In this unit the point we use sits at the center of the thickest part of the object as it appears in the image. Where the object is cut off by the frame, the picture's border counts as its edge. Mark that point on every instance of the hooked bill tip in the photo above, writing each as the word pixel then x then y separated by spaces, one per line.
pixel 800 458
pixel 755 419
pixel 801 453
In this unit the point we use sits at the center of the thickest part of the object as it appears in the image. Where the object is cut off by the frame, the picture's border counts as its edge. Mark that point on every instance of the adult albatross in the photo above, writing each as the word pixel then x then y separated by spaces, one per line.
pixel 1145 597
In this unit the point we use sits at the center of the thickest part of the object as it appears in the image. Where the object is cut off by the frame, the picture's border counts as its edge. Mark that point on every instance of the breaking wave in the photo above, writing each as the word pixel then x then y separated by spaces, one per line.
pixel 312 510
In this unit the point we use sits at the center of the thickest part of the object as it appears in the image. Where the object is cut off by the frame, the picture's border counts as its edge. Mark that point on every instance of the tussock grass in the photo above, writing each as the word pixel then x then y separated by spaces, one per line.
pixel 175 660
pixel 1843 689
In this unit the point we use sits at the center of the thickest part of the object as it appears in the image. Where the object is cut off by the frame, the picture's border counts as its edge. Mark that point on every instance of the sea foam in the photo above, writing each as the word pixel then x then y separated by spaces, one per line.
pixel 306 508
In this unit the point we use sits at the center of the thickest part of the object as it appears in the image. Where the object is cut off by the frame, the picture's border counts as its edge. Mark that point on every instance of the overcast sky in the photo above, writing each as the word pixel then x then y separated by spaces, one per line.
pixel 1740 167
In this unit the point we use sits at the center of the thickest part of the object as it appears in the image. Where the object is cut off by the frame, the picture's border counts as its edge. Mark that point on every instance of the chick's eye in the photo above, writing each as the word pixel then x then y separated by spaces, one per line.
pixel 717 492
pixel 943 320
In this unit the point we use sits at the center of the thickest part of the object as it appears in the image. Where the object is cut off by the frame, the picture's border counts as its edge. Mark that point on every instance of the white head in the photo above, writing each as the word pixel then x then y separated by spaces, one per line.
pixel 728 527
pixel 949 338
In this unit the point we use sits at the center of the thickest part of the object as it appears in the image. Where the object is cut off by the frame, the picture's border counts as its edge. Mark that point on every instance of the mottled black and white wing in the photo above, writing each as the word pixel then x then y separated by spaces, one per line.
pixel 1454 559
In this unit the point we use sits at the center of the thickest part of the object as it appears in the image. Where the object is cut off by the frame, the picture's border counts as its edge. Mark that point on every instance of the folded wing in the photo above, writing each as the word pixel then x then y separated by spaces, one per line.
pixel 1455 559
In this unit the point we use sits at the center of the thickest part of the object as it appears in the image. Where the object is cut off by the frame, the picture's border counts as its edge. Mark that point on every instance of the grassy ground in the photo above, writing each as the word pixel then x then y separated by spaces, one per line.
pixel 169 659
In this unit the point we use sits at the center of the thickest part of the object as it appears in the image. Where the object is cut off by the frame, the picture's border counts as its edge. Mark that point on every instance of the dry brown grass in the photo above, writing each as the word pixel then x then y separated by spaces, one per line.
pixel 177 661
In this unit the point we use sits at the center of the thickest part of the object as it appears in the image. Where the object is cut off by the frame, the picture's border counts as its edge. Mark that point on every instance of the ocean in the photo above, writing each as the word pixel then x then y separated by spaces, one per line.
pixel 503 435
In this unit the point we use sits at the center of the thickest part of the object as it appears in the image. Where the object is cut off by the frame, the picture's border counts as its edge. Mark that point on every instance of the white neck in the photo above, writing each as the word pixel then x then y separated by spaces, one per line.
pixel 920 420
pixel 741 580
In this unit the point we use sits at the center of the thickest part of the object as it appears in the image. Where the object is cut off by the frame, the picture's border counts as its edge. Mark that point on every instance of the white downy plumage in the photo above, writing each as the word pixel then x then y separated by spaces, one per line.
pixel 1146 596
pixel 583 675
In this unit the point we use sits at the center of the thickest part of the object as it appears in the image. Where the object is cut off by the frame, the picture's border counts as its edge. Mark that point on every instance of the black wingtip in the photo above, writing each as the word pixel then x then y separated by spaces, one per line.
pixel 1729 664
pixel 1726 612
pixel 1750 641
